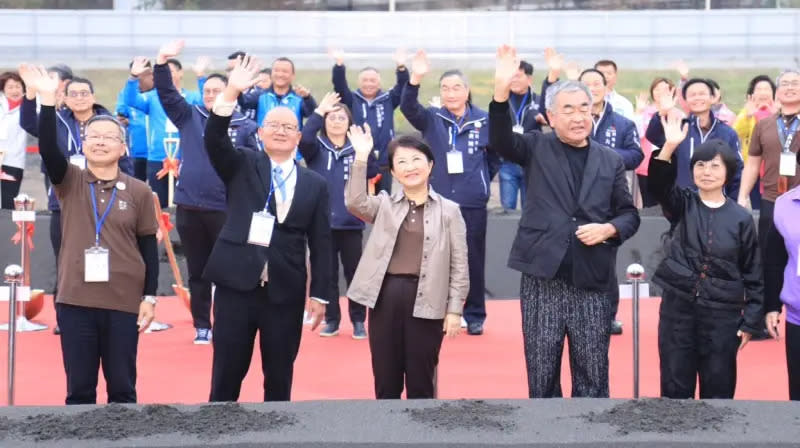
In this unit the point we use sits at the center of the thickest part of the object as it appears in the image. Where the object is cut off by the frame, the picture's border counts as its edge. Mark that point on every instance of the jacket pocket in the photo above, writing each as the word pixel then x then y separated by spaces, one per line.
pixel 529 235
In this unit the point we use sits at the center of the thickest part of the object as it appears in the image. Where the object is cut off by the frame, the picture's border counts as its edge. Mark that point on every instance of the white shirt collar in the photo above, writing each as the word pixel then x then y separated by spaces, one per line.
pixel 285 166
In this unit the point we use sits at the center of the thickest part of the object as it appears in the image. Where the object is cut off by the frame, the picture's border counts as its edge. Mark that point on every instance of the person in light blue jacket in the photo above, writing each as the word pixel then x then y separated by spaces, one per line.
pixel 136 122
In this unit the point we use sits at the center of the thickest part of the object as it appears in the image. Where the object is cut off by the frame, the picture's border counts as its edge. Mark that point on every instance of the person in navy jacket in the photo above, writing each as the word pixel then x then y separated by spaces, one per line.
pixel 371 105
pixel 199 192
pixel 619 133
pixel 458 134
pixel 703 125
pixel 327 150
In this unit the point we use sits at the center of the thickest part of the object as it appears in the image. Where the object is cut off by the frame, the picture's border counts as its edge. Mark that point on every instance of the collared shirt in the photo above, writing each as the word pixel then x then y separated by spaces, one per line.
pixel 289 174
pixel 765 143
pixel 786 216
pixel 621 105
pixel 407 255
pixel 133 215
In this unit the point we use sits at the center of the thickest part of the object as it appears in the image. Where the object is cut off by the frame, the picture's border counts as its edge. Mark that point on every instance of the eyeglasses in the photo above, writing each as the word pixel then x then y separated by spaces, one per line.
pixel 104 138
pixel 795 83
pixel 81 93
pixel 274 126
pixel 213 92
pixel 340 118
pixel 583 109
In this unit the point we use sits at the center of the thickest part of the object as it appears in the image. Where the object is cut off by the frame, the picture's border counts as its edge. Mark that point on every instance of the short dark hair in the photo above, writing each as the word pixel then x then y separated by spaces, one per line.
pixel 593 70
pixel 606 62
pixel 658 81
pixel 110 118
pixel 147 64
pixel 63 70
pixel 220 76
pixel 236 55
pixel 707 82
pixel 5 77
pixel 176 63
pixel 369 68
pixel 79 81
pixel 526 67
pixel 751 87
pixel 462 76
pixel 338 106
pixel 266 71
pixel 409 141
pixel 284 59
pixel 710 149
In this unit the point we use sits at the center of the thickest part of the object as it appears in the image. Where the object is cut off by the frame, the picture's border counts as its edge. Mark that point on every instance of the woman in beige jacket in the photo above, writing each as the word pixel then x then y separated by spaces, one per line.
pixel 413 274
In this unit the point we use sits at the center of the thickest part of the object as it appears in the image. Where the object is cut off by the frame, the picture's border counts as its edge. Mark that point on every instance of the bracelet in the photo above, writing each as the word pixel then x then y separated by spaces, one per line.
pixel 150 299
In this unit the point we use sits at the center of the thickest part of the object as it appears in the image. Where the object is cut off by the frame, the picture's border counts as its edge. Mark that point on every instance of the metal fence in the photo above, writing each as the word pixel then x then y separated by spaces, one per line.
pixel 721 38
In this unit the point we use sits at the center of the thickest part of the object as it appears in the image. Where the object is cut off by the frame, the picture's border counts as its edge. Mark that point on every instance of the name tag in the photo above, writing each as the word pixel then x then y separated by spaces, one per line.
pixel 261 226
pixel 518 129
pixel 455 162
pixel 78 160
pixel 96 268
pixel 788 166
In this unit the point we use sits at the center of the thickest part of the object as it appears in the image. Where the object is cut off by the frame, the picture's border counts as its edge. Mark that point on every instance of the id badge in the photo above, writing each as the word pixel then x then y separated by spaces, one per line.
pixel 518 129
pixel 261 226
pixel 455 162
pixel 96 269
pixel 788 166
pixel 78 160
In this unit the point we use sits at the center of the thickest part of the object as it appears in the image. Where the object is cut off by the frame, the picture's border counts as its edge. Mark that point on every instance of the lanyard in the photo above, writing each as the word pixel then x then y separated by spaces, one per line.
pixel 77 137
pixel 454 131
pixel 786 137
pixel 518 112
pixel 98 220
pixel 282 182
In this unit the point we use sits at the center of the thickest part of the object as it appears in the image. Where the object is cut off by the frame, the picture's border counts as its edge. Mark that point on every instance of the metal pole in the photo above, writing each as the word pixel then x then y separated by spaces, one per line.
pixel 13 276
pixel 392 5
pixel 635 274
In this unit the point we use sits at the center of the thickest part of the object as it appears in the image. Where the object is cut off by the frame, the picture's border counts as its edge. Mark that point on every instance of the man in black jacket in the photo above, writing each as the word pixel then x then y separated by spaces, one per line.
pixel 578 209
pixel 258 262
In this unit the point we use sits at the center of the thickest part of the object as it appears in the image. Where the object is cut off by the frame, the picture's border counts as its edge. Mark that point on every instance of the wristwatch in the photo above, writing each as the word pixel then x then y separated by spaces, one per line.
pixel 150 299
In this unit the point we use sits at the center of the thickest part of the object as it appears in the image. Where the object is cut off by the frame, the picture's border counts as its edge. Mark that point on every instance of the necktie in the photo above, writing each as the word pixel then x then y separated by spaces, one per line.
pixel 278 180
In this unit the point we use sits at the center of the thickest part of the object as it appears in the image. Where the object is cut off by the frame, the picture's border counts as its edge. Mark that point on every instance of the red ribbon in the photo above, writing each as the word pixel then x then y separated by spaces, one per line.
pixel 17 237
pixel 169 165
pixel 166 224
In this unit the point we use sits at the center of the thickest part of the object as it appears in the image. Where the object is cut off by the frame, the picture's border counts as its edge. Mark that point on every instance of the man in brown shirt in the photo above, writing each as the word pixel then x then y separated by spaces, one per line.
pixel 108 260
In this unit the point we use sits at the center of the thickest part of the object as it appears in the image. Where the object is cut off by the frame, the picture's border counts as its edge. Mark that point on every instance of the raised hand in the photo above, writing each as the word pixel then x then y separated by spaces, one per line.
pixel 674 130
pixel 400 57
pixel 420 66
pixel 642 101
pixel 28 75
pixel 361 139
pixel 44 83
pixel 683 69
pixel 170 50
pixel 139 66
pixel 201 65
pixel 666 102
pixel 302 91
pixel 555 62
pixel 243 75
pixel 337 55
pixel 573 70
pixel 750 106
pixel 506 66
pixel 328 103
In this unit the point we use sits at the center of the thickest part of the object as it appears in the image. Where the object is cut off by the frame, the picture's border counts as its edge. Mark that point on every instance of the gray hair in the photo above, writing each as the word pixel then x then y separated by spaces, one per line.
pixel 564 86
pixel 111 119
pixel 455 72
pixel 790 71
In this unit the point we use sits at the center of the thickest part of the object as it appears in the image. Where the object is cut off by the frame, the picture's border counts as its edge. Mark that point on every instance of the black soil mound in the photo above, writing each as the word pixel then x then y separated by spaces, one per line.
pixel 664 416
pixel 474 415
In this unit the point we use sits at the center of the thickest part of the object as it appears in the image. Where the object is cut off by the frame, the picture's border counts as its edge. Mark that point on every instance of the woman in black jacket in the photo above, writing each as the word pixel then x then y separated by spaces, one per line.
pixel 711 273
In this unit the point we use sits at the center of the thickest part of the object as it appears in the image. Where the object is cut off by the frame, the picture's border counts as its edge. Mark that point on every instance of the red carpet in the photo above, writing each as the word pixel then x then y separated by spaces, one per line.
pixel 173 370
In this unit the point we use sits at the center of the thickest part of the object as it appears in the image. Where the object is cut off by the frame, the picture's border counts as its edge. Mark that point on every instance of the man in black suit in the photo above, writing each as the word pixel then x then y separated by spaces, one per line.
pixel 258 262
pixel 577 211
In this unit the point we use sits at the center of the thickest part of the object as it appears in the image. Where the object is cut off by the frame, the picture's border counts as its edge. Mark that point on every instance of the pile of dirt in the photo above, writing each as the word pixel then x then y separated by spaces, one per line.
pixel 475 415
pixel 115 422
pixel 664 416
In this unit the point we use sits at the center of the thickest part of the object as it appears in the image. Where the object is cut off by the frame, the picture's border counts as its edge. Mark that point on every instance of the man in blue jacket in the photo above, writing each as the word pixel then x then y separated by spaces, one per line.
pixel 619 133
pixel 135 121
pixel 281 93
pixel 370 104
pixel 79 107
pixel 703 125
pixel 159 126
pixel 199 192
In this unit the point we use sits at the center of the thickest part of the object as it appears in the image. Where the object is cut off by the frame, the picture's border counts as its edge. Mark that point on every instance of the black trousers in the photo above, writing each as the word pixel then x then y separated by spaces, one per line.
pixel 91 336
pixel 765 220
pixel 347 247
pixel 55 241
pixel 140 168
pixel 237 318
pixel 475 306
pixel 9 189
pixel 793 359
pixel 198 230
pixel 159 186
pixel 697 341
pixel 403 347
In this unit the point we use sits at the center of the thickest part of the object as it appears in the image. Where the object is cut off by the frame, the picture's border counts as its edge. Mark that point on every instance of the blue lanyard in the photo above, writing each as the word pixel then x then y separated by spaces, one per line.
pixel 518 112
pixel 272 185
pixel 77 137
pixel 454 130
pixel 786 137
pixel 98 220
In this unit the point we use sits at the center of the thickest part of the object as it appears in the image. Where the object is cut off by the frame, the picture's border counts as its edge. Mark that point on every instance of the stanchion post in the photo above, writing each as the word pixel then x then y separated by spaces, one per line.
pixel 13 277
pixel 635 274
